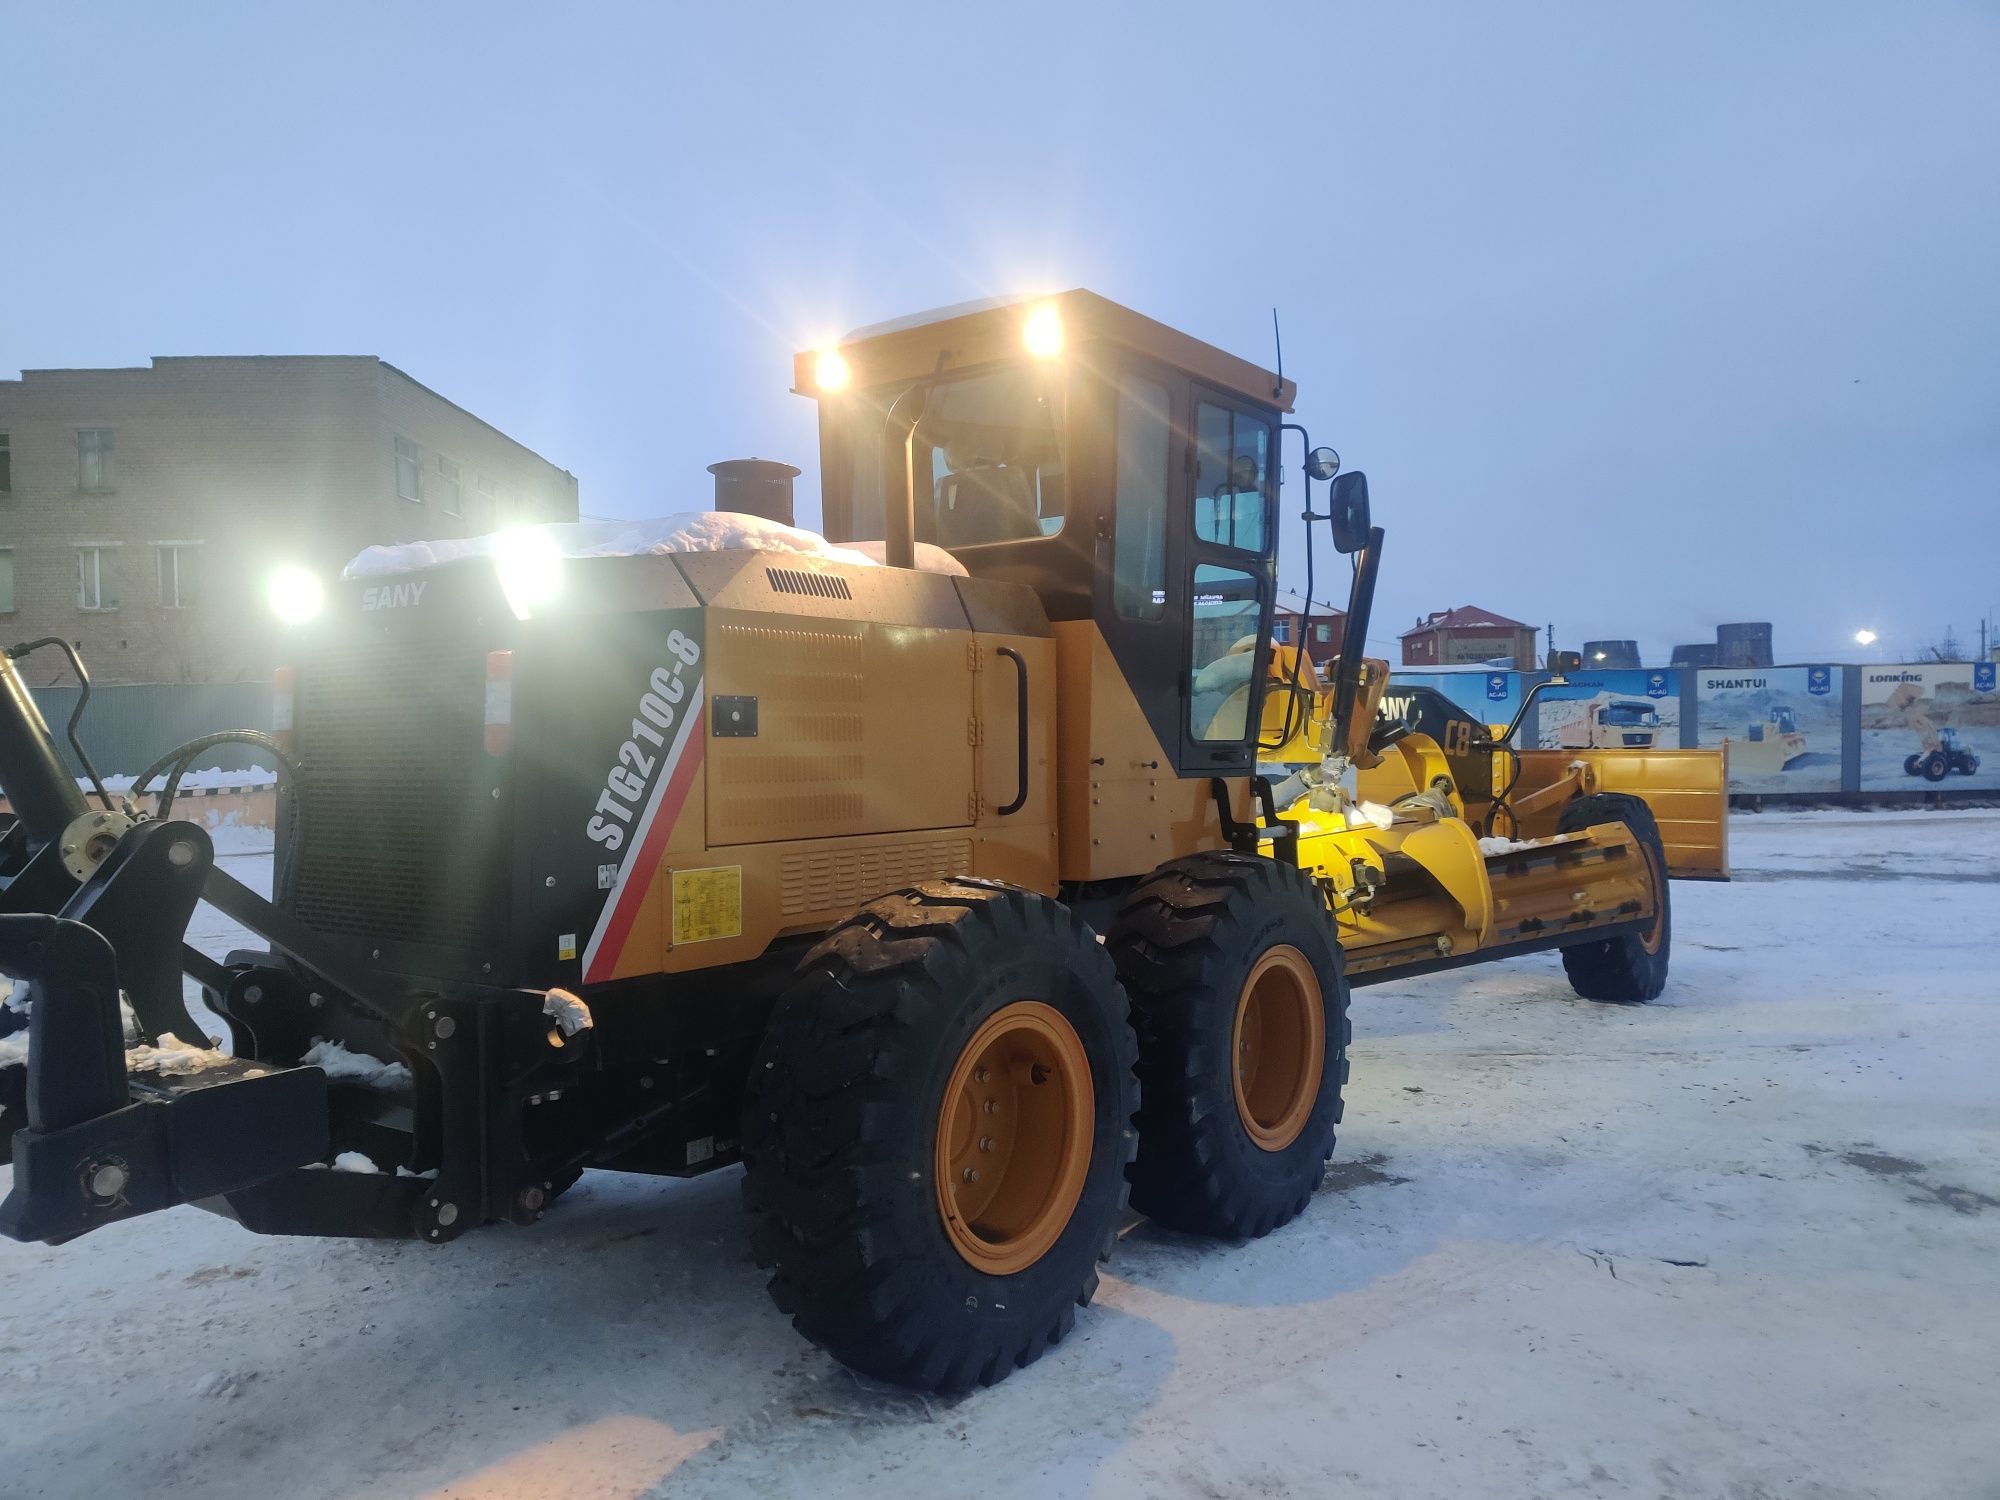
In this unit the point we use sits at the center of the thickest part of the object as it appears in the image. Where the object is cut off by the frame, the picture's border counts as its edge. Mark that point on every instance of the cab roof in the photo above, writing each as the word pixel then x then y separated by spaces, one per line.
pixel 988 331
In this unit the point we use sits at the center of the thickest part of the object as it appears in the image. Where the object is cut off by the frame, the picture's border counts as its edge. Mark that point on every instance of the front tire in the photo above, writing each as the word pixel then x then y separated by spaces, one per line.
pixel 1911 764
pixel 1936 767
pixel 936 1133
pixel 1241 1007
pixel 1631 968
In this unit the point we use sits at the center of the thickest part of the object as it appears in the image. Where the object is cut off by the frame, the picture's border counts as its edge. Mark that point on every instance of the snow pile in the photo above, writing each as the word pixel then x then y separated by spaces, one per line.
pixel 173 1058
pixel 569 1012
pixel 354 1161
pixel 930 559
pixel 1498 845
pixel 345 1066
pixel 684 531
pixel 1373 813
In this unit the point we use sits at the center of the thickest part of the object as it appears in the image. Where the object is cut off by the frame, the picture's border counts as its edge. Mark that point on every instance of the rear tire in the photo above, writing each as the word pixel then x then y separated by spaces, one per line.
pixel 1241 1007
pixel 1936 767
pixel 1631 968
pixel 1911 764
pixel 865 1133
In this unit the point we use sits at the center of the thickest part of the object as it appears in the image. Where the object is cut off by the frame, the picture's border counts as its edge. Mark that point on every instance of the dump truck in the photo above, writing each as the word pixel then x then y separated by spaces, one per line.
pixel 924 868
pixel 1610 719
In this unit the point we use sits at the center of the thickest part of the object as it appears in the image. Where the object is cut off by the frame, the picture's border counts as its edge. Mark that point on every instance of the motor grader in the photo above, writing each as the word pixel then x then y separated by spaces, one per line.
pixel 957 902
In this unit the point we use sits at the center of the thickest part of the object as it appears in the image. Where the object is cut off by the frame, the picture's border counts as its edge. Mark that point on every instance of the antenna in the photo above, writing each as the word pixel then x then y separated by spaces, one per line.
pixel 1278 339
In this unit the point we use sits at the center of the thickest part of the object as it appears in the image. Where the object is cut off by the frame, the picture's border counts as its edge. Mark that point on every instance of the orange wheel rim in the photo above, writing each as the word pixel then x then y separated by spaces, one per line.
pixel 1279 1046
pixel 1013 1138
pixel 1649 940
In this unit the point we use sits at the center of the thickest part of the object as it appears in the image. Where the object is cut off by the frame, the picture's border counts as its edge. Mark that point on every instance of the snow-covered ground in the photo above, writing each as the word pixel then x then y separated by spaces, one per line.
pixel 1741 1242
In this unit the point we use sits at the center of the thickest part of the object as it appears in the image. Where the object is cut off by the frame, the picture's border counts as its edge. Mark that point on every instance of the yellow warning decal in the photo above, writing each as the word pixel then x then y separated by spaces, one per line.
pixel 708 904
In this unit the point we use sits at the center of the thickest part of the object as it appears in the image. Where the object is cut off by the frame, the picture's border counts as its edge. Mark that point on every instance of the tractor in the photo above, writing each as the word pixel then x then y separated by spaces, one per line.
pixel 1769 747
pixel 924 868
pixel 1950 753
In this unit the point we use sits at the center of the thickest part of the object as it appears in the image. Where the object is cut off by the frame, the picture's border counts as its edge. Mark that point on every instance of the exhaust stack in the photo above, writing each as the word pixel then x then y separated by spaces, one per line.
pixel 755 487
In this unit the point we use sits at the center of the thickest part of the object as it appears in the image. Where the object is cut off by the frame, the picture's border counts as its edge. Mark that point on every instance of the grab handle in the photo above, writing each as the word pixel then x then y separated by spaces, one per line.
pixel 1021 721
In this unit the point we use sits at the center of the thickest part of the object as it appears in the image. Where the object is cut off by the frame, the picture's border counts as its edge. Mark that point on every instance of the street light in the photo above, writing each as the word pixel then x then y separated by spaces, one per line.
pixel 1865 637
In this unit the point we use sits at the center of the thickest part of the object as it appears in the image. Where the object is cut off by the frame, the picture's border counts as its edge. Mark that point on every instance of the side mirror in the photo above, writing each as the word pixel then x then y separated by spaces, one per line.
pixel 1349 512
pixel 1322 464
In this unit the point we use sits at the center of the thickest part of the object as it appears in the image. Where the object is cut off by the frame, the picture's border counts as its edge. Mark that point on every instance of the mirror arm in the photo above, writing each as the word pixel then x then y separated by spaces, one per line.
pixel 1354 639
pixel 899 523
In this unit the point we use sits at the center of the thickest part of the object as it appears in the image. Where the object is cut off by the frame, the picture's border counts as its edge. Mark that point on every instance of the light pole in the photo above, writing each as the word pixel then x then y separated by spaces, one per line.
pixel 1864 638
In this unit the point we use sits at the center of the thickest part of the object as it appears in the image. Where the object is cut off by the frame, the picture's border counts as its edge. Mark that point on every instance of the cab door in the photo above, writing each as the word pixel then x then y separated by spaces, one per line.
pixel 1230 549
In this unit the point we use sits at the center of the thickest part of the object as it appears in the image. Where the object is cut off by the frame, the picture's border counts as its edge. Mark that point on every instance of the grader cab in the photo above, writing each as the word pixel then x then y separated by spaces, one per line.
pixel 934 869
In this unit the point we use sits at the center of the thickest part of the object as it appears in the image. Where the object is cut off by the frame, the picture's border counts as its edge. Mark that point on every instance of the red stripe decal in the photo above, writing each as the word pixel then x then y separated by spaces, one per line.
pixel 645 861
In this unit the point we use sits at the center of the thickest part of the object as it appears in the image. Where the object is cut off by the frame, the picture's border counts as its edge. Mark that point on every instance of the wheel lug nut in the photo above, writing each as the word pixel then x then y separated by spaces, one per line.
pixel 986 1143
pixel 993 1106
pixel 972 1174
pixel 979 1075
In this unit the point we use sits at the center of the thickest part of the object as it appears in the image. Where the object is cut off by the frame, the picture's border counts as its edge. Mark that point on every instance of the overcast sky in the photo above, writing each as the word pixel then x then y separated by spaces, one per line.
pixel 1639 319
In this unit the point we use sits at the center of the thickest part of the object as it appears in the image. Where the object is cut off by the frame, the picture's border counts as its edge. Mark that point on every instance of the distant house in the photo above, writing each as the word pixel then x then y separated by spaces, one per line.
pixel 1320 628
pixel 1467 636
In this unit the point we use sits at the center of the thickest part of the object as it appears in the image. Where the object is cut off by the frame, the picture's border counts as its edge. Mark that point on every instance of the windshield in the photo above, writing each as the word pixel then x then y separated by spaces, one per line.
pixel 1629 713
pixel 990 446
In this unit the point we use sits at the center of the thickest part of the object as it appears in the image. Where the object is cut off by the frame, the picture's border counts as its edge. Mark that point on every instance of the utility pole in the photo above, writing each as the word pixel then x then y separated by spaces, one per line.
pixel 1550 655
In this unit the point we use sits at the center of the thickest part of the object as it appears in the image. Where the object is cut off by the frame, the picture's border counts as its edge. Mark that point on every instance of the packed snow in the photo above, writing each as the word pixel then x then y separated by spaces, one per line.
pixel 1739 1242
pixel 339 1063
pixel 684 531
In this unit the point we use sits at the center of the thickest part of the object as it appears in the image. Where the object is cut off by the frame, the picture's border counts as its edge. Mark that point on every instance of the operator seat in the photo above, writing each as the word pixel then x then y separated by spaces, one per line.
pixel 987 502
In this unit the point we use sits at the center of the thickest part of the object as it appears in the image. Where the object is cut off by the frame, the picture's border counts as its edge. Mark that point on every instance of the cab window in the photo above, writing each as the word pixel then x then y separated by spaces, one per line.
pixel 990 445
pixel 1232 476
pixel 1145 457
pixel 1224 641
pixel 996 468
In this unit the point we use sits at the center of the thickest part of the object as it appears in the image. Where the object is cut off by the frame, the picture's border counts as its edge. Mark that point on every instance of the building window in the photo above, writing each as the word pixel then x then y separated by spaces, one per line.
pixel 1281 631
pixel 409 470
pixel 96 579
pixel 6 465
pixel 180 574
pixel 1323 634
pixel 6 580
pixel 447 485
pixel 94 473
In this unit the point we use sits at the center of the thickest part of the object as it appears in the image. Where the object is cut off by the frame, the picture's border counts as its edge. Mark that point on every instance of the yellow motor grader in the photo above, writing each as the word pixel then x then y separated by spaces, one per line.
pixel 959 873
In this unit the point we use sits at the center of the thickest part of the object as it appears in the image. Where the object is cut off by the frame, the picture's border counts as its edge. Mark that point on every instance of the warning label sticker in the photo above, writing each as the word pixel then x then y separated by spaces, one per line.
pixel 708 904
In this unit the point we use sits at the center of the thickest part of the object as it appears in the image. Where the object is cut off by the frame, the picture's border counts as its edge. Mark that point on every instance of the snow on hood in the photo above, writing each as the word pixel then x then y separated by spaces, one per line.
pixel 684 531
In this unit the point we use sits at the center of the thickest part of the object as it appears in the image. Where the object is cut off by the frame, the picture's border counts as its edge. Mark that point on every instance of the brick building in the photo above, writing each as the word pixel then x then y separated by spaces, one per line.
pixel 141 510
pixel 1322 632
pixel 1466 636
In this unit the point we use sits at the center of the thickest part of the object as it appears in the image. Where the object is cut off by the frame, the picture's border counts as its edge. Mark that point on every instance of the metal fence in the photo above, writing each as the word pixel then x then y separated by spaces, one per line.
pixel 127 728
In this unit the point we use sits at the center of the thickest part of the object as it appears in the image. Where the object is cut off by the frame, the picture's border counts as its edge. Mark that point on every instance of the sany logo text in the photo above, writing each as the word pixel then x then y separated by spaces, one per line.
pixel 394 595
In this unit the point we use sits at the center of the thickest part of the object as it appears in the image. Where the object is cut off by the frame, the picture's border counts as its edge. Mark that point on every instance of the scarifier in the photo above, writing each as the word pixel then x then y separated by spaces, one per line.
pixel 958 903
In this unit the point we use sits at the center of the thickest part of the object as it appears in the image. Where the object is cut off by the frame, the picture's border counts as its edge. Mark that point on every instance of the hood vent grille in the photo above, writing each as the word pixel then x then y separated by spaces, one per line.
pixel 818 585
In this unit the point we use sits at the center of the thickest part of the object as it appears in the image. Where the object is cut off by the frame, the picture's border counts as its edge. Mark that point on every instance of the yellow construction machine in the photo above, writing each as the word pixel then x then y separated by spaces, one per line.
pixel 959 872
